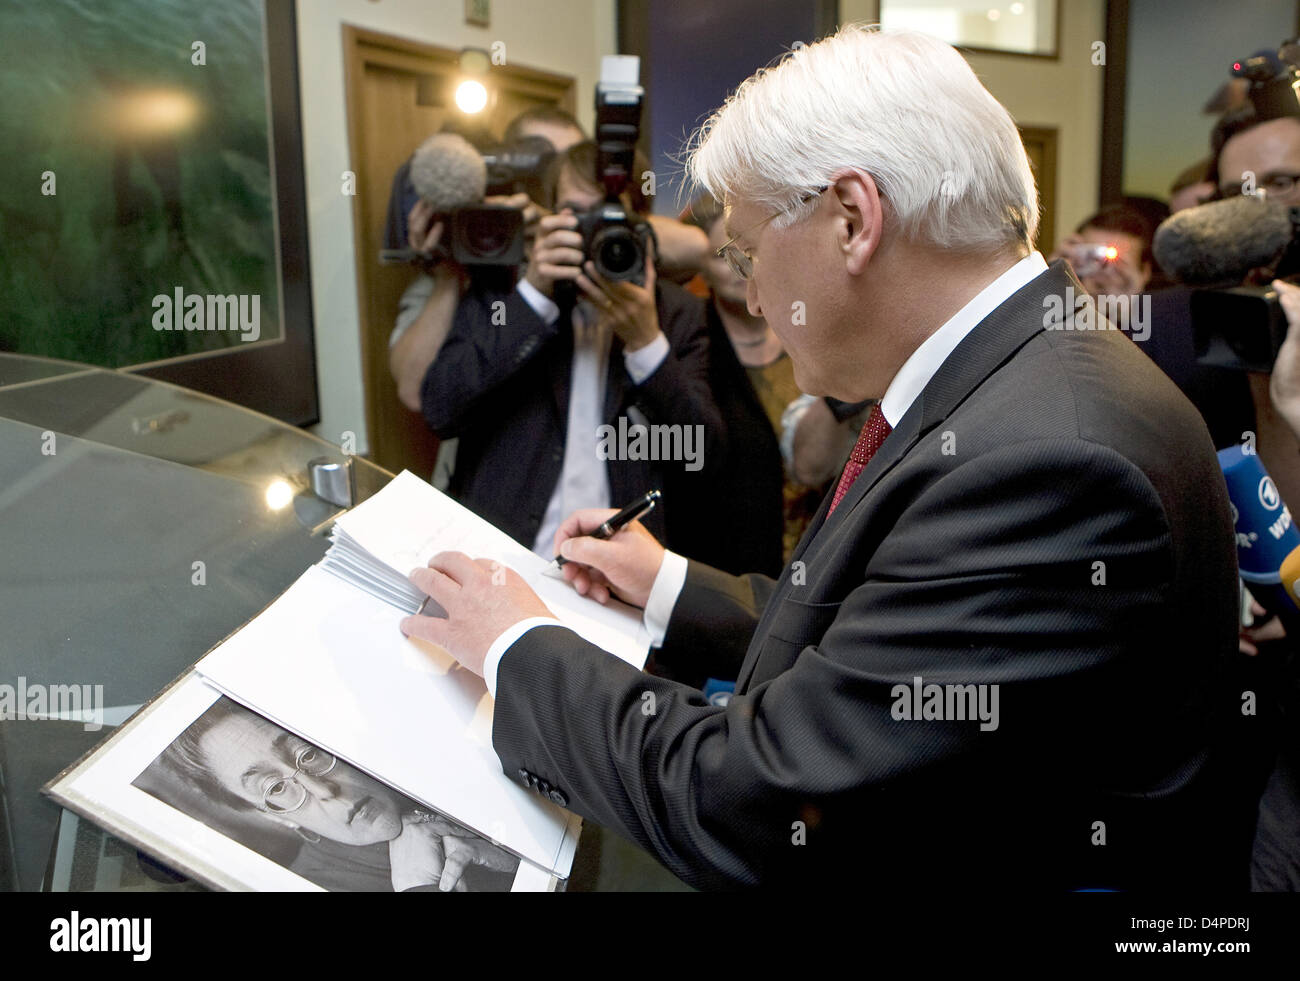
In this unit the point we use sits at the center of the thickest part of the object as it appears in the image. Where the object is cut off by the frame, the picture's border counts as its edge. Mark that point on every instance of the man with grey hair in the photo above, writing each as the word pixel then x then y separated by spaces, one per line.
pixel 994 660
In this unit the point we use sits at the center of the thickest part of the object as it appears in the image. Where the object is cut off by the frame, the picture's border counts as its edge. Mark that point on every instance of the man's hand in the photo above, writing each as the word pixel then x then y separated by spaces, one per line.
pixel 533 211
pixel 1263 630
pixel 464 852
pixel 625 565
pixel 419 235
pixel 1284 383
pixel 629 308
pixel 482 599
pixel 416 857
pixel 557 252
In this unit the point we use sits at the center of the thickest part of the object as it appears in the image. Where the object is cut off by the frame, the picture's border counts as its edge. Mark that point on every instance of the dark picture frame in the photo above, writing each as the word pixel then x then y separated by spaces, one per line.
pixel 278 379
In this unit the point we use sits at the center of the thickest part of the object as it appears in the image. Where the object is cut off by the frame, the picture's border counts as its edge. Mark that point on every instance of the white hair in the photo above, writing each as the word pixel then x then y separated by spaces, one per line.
pixel 905 108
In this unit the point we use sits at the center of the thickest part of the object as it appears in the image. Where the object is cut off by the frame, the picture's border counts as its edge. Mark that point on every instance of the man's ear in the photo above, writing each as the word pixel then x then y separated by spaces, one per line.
pixel 858 217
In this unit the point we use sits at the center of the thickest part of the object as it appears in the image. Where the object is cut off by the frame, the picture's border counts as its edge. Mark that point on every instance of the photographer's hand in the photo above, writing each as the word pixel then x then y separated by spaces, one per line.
pixel 557 253
pixel 1284 383
pixel 423 234
pixel 533 211
pixel 629 308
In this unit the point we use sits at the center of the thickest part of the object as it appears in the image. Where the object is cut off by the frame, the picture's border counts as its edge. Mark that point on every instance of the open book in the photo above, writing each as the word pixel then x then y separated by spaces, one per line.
pixel 327 663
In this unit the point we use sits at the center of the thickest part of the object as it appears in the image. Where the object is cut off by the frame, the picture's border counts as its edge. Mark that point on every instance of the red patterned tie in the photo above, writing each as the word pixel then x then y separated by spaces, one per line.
pixel 873 434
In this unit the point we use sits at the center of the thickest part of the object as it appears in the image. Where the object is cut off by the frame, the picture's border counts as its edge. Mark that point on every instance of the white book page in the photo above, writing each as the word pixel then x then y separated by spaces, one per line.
pixel 409 522
pixel 328 662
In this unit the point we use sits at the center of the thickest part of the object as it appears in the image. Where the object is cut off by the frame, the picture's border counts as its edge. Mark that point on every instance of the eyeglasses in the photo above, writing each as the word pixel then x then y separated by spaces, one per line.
pixel 287 794
pixel 1279 184
pixel 741 264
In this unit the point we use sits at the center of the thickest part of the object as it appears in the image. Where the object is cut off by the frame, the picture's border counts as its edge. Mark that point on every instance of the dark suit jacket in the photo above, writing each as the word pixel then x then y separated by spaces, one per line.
pixel 1048 517
pixel 504 390
pixel 732 511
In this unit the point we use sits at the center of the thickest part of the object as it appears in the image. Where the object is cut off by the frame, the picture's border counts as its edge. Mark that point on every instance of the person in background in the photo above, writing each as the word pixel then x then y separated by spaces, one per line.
pixel 1120 227
pixel 752 380
pixel 1191 187
pixel 426 309
pixel 818 434
pixel 533 378
pixel 1220 395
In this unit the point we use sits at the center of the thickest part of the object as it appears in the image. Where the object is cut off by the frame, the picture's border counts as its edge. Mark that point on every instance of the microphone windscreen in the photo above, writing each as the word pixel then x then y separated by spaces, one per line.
pixel 448 173
pixel 1218 243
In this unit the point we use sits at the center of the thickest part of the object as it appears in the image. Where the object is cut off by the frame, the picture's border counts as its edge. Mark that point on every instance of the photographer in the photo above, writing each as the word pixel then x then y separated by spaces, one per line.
pixel 1256 151
pixel 527 378
pixel 426 309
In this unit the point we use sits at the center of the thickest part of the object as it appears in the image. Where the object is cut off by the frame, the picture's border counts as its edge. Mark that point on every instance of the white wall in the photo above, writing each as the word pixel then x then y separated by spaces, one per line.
pixel 1064 94
pixel 567 36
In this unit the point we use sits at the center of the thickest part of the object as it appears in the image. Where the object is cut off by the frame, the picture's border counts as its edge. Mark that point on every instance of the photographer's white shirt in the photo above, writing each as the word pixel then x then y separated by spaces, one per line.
pixel 584 478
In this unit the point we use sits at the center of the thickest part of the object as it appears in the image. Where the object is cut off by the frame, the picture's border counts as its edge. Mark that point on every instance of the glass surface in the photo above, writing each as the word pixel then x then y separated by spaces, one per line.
pixel 140 525
pixel 1022 27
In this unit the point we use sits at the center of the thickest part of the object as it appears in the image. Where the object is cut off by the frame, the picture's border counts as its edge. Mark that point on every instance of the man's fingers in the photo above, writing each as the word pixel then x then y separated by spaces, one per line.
pixel 431 629
pixel 431 240
pixel 434 583
pixel 452 871
pixel 457 566
pixel 582 522
pixel 589 551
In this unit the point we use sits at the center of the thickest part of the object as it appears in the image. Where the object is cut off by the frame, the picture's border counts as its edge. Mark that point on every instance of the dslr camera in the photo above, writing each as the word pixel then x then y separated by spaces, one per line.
pixel 612 238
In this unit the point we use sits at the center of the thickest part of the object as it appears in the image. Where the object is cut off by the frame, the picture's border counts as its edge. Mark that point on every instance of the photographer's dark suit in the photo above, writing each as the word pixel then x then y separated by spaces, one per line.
pixel 503 388
pixel 1047 517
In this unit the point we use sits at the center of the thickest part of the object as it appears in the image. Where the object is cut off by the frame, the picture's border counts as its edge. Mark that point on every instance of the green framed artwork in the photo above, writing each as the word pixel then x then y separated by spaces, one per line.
pixel 151 194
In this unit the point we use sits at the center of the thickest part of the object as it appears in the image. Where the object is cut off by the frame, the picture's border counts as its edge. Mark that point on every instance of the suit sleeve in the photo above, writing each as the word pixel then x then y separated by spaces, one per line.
pixel 712 622
pixel 987 577
pixel 479 357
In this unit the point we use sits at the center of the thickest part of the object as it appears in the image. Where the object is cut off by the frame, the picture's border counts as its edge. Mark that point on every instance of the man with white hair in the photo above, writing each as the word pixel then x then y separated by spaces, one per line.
pixel 993 662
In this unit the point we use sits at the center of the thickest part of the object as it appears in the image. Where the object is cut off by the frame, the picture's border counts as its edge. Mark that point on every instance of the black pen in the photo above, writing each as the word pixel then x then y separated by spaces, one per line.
pixel 641 506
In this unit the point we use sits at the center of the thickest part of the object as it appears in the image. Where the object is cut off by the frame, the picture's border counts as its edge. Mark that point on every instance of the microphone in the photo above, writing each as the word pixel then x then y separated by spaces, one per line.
pixel 1218 243
pixel 1268 544
pixel 448 173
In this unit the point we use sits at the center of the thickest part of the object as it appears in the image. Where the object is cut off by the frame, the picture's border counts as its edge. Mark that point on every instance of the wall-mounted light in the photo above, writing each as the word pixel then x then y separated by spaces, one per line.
pixel 472 93
pixel 471 96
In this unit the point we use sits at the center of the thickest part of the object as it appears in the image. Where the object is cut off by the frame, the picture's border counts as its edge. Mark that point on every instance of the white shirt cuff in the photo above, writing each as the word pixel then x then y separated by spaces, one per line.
pixel 663 597
pixel 502 644
pixel 542 305
pixel 645 361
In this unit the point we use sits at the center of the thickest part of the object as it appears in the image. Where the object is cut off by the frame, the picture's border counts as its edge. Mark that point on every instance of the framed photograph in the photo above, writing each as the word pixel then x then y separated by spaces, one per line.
pixel 158 221
pixel 1023 27
pixel 236 802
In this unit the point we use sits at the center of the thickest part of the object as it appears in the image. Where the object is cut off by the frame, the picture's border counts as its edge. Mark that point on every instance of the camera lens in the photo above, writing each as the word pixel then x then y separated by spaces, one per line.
pixel 486 236
pixel 617 253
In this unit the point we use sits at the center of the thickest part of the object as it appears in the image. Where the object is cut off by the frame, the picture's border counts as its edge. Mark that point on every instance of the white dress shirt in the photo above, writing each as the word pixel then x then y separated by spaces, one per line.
pixel 584 477
pixel 906 385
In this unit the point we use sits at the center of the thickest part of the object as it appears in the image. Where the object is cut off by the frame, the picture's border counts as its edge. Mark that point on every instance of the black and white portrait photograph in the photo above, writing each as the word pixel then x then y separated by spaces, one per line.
pixel 314 814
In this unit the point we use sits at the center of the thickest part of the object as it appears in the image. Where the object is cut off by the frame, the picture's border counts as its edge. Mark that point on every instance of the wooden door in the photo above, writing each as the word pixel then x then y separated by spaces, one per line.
pixel 399 92
pixel 1040 145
